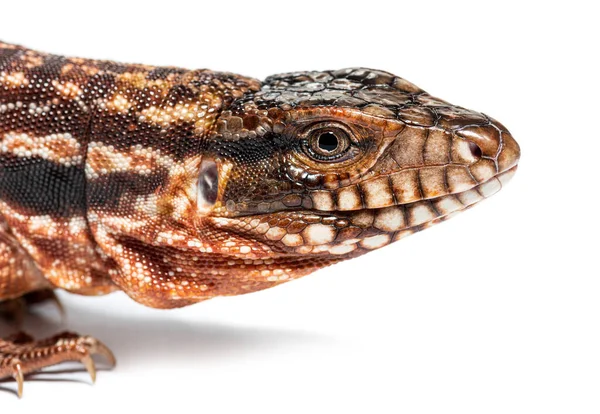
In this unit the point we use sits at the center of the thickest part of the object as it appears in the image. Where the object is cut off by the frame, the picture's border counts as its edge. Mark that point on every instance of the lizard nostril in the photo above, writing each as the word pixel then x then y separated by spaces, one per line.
pixel 475 150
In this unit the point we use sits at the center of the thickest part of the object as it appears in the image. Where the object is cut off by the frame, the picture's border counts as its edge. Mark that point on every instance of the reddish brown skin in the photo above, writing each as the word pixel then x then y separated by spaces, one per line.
pixel 102 165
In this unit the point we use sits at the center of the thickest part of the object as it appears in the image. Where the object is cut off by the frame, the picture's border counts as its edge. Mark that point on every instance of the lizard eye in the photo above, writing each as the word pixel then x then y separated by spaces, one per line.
pixel 328 143
pixel 208 185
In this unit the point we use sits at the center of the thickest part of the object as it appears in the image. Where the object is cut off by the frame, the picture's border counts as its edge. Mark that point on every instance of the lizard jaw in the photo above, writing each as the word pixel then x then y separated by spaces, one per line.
pixel 346 234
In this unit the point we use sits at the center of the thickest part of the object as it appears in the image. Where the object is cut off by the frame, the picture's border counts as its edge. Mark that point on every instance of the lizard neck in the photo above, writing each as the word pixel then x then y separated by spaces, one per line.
pixel 112 136
pixel 146 142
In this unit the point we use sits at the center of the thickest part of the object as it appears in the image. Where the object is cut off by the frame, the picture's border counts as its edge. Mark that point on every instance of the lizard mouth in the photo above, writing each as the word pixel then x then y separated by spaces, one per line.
pixel 424 211
pixel 337 233
pixel 381 226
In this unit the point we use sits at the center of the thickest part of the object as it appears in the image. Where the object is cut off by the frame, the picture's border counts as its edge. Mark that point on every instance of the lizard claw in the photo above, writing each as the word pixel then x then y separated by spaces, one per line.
pixel 88 362
pixel 92 346
pixel 20 354
pixel 18 376
pixel 95 347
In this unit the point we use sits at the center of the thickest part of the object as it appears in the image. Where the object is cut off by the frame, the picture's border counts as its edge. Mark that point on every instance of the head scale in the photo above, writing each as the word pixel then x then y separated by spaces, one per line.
pixel 305 170
pixel 317 167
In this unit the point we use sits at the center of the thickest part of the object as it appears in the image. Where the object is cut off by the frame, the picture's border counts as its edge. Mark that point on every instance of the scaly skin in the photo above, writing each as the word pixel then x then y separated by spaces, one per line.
pixel 177 186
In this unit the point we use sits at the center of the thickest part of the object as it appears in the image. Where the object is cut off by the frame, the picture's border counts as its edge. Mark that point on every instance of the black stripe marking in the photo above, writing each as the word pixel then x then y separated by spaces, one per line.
pixel 118 191
pixel 41 187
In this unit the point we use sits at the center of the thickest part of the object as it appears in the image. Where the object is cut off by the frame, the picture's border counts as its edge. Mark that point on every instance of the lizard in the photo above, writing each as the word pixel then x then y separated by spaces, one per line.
pixel 176 185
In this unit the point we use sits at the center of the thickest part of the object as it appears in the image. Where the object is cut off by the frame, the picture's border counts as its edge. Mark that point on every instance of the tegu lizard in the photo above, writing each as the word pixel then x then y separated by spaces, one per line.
pixel 176 186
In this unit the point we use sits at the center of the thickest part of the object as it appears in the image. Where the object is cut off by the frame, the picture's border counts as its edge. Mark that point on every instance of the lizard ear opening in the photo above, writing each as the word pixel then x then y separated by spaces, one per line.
pixel 208 185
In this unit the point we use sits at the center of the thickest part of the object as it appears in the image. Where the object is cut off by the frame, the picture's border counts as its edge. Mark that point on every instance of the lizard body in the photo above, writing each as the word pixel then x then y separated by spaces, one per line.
pixel 178 185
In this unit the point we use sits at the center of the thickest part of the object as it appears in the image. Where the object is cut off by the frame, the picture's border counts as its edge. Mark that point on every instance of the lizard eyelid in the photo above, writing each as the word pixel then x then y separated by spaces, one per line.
pixel 328 142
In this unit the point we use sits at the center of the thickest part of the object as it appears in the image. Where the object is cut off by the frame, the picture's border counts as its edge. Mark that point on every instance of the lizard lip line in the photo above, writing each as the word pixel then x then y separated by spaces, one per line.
pixel 439 209
pixel 443 207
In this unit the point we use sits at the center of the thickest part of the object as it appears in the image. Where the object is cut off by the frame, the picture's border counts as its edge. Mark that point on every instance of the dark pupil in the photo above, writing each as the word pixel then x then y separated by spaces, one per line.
pixel 328 141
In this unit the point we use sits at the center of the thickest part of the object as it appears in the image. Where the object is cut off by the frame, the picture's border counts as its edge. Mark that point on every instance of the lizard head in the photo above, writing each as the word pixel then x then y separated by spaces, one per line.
pixel 286 177
pixel 317 167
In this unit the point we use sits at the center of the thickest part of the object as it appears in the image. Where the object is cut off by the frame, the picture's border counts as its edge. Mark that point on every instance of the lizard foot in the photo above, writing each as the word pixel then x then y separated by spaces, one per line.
pixel 14 310
pixel 20 354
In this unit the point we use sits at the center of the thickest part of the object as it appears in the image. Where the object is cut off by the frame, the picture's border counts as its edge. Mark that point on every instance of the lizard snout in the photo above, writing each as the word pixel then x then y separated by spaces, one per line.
pixel 494 142
pixel 431 163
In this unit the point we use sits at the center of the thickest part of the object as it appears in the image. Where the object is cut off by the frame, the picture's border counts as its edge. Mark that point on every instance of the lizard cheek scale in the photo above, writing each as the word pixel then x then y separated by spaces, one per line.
pixel 176 186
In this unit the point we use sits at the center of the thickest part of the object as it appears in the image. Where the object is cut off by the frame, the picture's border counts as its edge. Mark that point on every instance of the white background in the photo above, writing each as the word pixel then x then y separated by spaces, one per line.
pixel 494 311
